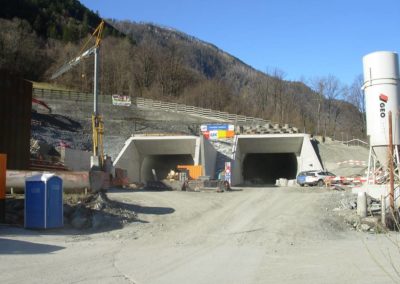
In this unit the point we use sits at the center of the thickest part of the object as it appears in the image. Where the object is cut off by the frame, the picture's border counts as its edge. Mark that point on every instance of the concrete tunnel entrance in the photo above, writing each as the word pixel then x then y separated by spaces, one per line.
pixel 266 168
pixel 262 159
pixel 163 164
pixel 141 154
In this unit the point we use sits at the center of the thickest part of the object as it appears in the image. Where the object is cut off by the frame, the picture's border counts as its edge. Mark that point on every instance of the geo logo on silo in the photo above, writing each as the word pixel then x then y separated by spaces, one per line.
pixel 383 98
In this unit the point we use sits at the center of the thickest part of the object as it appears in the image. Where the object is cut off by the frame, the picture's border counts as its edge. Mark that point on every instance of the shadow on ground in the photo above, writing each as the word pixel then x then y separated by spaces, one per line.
pixel 8 246
pixel 152 210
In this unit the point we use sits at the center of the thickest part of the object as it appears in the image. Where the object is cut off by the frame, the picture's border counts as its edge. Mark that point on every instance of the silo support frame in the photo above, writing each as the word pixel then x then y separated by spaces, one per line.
pixel 377 175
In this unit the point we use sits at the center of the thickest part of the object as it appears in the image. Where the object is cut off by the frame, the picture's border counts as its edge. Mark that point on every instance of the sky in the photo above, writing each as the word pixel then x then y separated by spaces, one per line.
pixel 306 39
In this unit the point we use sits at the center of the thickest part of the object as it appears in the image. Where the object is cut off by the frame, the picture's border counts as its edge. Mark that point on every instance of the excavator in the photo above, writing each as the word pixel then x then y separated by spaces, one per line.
pixel 97 119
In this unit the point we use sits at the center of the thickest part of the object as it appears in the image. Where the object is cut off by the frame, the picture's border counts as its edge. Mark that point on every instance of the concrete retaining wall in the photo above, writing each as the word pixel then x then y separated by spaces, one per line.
pixel 208 157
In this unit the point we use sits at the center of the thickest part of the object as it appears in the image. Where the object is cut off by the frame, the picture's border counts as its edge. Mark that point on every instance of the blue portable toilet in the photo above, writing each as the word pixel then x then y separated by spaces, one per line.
pixel 44 202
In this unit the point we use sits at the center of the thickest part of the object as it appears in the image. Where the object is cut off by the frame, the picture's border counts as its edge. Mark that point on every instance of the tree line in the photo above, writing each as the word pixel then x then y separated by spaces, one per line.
pixel 156 63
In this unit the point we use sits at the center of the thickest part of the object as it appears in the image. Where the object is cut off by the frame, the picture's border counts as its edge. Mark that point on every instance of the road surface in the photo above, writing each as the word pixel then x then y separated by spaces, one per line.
pixel 251 235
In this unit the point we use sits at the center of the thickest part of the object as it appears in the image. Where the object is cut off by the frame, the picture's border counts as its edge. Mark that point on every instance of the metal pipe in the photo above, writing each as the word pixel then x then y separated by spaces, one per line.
pixel 95 81
pixel 391 170
pixel 71 180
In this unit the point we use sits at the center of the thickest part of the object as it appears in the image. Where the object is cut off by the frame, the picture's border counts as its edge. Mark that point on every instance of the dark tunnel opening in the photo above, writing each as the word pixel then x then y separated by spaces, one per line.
pixel 266 168
pixel 163 164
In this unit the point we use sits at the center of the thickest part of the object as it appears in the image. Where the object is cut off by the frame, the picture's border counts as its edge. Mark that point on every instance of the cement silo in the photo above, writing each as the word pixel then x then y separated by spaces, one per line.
pixel 381 87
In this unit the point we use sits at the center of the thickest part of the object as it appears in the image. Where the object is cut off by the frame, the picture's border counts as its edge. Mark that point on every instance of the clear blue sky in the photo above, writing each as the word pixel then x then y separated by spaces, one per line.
pixel 304 38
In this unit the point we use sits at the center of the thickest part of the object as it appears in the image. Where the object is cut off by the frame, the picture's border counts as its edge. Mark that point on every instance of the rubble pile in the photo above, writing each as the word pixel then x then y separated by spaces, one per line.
pixel 15 211
pixel 348 210
pixel 80 212
pixel 97 211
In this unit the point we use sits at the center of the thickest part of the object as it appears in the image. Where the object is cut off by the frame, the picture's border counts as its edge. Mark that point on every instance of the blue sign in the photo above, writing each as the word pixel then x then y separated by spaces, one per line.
pixel 211 127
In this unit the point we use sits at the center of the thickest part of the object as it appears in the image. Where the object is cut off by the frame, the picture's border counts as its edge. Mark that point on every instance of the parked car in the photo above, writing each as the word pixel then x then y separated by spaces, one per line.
pixel 313 177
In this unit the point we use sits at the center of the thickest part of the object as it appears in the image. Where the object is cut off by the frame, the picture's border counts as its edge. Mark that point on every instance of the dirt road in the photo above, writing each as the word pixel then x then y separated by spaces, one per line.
pixel 256 235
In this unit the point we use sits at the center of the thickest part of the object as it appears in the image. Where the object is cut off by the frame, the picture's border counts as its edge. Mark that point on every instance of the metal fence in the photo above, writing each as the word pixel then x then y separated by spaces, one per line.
pixel 152 104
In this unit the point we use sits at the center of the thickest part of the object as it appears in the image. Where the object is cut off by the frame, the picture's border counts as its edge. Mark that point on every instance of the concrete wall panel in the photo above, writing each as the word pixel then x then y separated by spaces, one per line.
pixel 75 160
pixel 208 157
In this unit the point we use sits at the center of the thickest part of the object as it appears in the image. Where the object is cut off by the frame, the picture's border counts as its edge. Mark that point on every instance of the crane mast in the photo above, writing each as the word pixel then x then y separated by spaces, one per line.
pixel 97 119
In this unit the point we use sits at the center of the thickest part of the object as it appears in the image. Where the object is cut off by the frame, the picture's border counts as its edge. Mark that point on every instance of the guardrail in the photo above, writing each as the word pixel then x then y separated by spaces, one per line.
pixel 356 142
pixel 192 110
pixel 152 104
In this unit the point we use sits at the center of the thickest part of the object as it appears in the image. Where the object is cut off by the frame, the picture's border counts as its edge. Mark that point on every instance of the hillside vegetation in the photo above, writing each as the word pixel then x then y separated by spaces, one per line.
pixel 146 60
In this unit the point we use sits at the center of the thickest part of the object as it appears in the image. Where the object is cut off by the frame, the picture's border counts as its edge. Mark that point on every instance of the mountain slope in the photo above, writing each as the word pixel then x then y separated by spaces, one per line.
pixel 146 60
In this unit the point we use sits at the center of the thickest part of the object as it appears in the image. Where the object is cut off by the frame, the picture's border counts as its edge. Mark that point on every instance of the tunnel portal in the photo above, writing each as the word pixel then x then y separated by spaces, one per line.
pixel 163 164
pixel 266 168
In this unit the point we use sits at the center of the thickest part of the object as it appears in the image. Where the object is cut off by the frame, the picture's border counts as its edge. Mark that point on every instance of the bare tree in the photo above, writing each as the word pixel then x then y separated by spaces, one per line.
pixel 278 89
pixel 330 91
pixel 356 96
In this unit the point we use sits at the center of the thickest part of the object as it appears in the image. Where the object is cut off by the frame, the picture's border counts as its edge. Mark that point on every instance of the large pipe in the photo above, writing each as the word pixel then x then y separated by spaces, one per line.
pixel 71 180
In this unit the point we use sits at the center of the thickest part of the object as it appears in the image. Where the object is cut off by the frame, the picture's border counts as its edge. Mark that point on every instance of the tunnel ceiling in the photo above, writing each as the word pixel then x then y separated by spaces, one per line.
pixel 271 144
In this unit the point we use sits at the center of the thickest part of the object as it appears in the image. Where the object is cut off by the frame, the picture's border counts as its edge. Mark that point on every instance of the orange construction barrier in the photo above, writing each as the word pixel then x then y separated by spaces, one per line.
pixel 194 171
pixel 3 168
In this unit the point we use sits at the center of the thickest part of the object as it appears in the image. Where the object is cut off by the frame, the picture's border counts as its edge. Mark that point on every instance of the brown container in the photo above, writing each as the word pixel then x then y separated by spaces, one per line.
pixel 15 120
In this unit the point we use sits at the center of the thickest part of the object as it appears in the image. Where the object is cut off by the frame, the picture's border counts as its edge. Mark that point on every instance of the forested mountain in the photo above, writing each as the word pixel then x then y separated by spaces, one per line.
pixel 146 60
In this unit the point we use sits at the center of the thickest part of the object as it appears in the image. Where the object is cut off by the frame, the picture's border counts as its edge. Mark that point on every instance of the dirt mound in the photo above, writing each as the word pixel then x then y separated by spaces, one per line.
pixel 98 212
pixel 95 211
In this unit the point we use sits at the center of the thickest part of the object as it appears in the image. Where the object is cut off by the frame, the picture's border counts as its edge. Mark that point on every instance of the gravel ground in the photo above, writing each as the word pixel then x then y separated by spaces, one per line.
pixel 250 235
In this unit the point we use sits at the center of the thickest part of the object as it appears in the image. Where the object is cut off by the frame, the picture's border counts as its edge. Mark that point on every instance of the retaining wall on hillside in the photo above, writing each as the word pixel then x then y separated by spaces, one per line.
pixel 153 104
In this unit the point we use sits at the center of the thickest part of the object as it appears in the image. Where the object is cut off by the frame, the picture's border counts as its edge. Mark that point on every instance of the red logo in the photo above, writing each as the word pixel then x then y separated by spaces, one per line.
pixel 382 105
pixel 383 98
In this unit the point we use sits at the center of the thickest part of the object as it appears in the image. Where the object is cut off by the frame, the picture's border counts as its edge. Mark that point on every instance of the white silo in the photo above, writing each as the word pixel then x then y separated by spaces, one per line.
pixel 381 87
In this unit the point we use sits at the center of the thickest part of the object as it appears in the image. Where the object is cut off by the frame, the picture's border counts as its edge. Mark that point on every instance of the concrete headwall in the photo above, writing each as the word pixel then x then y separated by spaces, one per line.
pixel 272 156
pixel 141 154
pixel 208 157
pixel 308 159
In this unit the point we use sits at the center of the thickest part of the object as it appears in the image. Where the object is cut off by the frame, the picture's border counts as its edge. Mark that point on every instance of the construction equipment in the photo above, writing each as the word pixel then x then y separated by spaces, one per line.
pixel 97 119
pixel 42 103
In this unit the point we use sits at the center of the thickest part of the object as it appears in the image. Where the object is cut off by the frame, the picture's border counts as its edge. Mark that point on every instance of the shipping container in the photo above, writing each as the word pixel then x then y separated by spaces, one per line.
pixel 15 120
pixel 194 171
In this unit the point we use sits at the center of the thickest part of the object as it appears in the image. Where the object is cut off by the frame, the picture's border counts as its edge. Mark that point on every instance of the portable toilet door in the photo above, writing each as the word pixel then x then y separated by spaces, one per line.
pixel 54 212
pixel 35 203
pixel 43 202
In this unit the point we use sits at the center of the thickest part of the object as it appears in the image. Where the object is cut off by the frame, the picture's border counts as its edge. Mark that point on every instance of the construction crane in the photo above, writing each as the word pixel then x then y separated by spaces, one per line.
pixel 97 119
